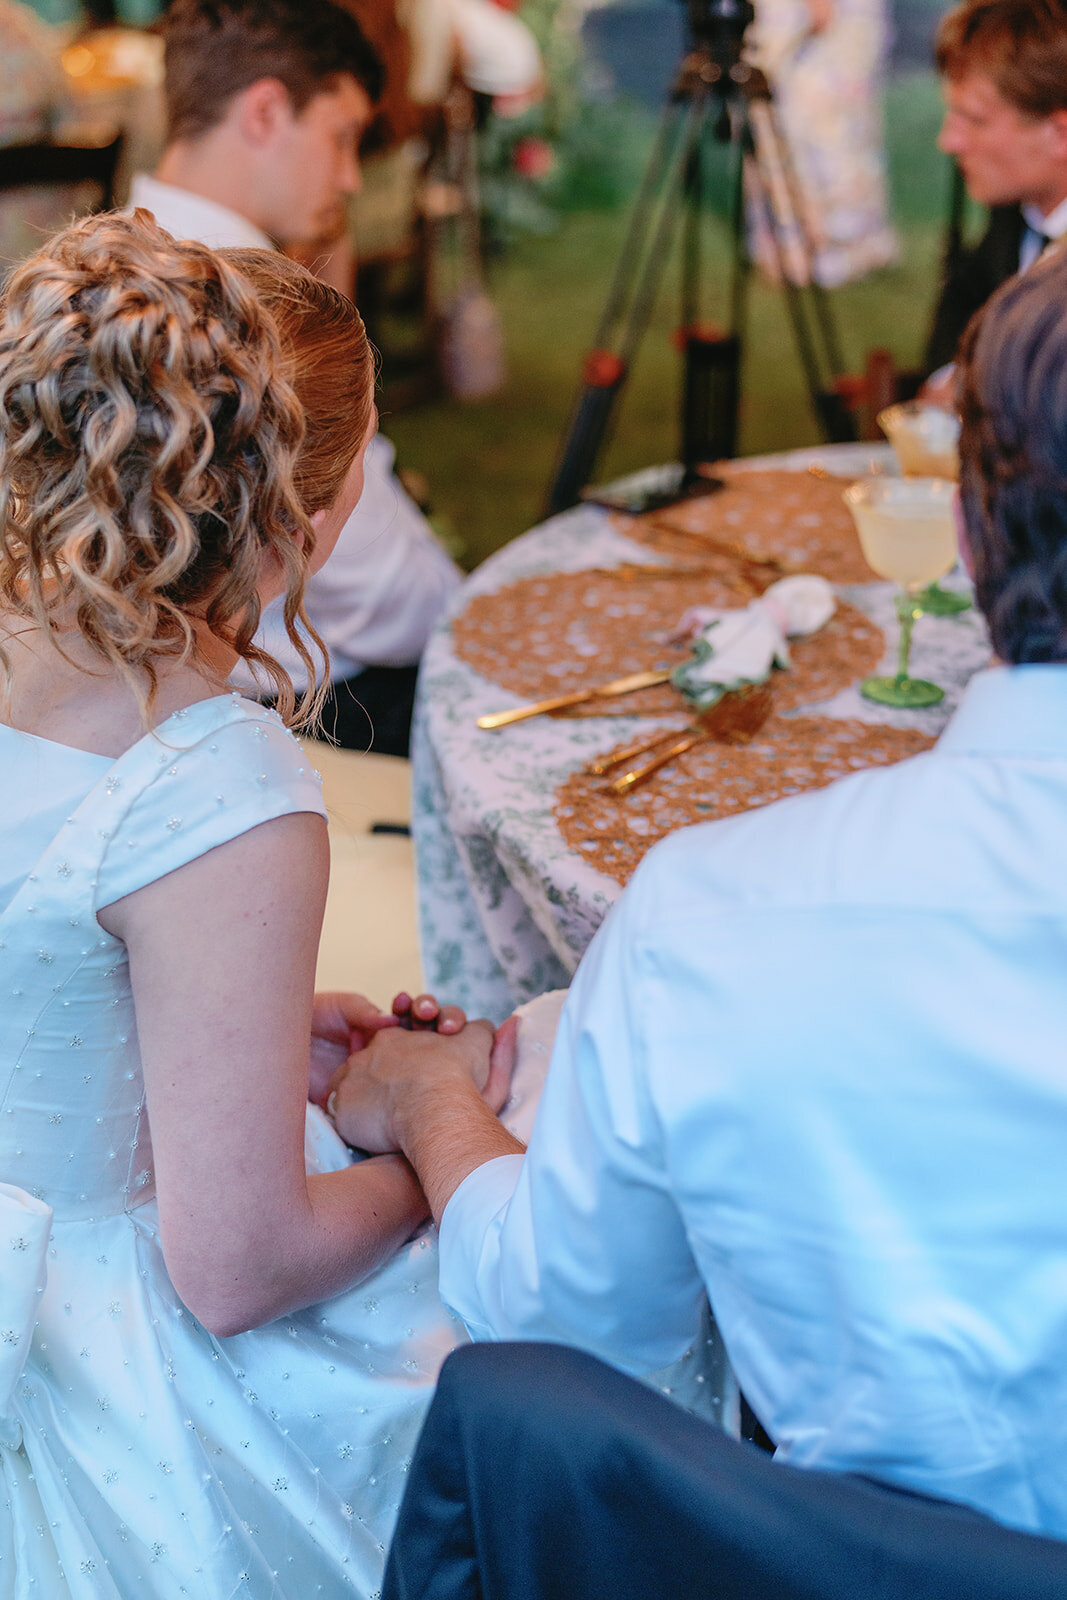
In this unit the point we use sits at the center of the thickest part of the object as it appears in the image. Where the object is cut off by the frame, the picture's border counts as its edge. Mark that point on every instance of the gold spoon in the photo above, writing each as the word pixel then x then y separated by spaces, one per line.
pixel 735 719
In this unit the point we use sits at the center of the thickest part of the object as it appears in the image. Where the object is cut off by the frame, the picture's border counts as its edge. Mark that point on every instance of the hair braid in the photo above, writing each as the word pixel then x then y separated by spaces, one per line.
pixel 148 440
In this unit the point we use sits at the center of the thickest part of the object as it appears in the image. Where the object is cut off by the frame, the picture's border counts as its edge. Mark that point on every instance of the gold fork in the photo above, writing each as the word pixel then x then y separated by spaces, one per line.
pixel 720 716
pixel 766 568
pixel 735 719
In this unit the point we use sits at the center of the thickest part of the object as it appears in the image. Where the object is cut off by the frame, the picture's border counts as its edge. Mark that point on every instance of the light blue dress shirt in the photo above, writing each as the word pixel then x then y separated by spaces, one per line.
pixel 815 1065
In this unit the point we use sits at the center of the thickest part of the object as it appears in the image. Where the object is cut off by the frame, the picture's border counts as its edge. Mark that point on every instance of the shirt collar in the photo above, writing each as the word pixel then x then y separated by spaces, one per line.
pixel 1054 226
pixel 1011 711
pixel 191 216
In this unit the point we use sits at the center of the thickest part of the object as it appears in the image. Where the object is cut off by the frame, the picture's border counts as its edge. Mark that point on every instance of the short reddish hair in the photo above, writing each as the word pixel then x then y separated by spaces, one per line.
pixel 1020 44
pixel 215 49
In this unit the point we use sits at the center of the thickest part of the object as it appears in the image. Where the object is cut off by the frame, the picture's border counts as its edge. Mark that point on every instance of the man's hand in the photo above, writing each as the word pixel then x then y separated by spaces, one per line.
pixel 342 1024
pixel 940 388
pixel 432 1096
pixel 377 1094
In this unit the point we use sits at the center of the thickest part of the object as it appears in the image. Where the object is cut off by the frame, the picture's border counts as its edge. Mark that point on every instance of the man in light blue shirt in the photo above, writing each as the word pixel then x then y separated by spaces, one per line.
pixel 814 1065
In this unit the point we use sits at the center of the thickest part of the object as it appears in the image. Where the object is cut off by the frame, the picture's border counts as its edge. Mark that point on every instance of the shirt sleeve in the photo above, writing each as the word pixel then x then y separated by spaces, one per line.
pixel 379 596
pixel 498 52
pixel 581 1241
pixel 241 774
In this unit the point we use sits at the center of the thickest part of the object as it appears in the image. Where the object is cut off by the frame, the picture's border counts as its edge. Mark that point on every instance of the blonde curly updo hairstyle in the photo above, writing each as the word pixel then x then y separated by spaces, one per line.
pixel 150 434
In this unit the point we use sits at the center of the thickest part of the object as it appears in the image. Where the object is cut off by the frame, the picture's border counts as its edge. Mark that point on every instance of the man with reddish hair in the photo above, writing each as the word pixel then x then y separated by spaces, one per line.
pixel 1003 65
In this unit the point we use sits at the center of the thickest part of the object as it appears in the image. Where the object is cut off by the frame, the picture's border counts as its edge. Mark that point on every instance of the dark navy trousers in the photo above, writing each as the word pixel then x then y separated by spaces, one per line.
pixel 542 1474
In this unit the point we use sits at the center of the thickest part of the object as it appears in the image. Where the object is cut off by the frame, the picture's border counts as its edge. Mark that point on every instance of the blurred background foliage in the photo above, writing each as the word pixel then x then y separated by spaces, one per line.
pixel 557 212
pixel 556 186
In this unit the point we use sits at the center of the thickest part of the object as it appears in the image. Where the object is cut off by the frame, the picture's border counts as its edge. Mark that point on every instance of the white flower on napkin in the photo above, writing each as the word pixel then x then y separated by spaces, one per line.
pixel 731 648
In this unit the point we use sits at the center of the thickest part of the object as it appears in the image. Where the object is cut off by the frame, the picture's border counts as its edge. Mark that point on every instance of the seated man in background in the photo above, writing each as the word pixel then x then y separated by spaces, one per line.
pixel 1004 69
pixel 266 101
pixel 813 1064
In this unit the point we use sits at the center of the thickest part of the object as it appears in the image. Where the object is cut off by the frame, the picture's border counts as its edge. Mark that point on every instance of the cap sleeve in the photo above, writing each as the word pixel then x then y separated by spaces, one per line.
pixel 203 793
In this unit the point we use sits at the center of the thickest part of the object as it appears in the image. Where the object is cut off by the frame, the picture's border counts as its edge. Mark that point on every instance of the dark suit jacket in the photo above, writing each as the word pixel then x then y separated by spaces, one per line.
pixel 543 1475
pixel 969 284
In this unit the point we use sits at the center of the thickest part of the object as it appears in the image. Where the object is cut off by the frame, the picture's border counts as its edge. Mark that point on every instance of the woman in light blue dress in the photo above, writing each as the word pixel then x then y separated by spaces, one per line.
pixel 212 1367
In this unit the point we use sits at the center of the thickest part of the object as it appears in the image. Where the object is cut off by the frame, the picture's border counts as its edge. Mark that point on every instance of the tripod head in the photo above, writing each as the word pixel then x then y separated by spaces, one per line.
pixel 719 27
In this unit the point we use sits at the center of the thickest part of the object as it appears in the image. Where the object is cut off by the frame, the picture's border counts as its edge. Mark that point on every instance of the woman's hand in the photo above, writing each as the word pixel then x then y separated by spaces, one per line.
pixel 426 1014
pixel 340 1025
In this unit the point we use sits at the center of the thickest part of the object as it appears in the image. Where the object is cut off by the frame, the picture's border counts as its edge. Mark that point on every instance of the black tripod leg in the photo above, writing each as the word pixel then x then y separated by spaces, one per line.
pixel 588 428
pixel 641 265
pixel 661 162
pixel 711 388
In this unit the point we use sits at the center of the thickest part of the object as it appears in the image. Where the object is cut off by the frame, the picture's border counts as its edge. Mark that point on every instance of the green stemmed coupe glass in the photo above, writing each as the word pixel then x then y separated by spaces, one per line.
pixel 908 533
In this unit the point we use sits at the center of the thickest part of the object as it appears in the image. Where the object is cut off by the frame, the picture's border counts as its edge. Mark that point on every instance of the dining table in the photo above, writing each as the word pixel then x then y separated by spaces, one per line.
pixel 520 851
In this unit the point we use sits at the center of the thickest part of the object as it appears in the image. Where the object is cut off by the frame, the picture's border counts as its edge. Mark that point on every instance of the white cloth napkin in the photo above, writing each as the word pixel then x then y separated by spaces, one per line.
pixel 731 648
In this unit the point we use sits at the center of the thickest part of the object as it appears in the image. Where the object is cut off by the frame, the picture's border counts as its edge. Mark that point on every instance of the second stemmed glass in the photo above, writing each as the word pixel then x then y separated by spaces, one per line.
pixel 925 441
pixel 908 533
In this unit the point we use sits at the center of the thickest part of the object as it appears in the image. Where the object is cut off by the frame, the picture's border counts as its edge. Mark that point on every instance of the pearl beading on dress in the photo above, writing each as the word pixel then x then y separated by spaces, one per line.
pixel 156 1460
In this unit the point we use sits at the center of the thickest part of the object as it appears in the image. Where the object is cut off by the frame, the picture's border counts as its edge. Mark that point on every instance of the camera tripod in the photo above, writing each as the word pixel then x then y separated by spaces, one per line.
pixel 719 97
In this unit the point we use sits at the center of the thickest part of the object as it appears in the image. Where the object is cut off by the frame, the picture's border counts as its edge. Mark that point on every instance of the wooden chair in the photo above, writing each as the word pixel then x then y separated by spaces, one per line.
pixel 52 165
pixel 879 385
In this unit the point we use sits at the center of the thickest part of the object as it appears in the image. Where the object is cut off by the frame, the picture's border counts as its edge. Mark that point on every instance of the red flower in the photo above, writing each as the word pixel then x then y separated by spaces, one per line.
pixel 533 158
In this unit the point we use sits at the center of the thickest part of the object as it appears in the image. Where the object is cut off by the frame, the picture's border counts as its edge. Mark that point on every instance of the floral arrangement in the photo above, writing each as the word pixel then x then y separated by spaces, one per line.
pixel 573 149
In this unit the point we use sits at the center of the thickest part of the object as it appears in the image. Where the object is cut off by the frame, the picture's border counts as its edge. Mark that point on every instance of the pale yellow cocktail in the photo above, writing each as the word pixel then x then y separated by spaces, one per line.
pixel 925 439
pixel 907 529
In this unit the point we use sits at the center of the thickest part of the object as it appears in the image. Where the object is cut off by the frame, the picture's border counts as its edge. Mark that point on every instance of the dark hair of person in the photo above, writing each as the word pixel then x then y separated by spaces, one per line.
pixel 215 49
pixel 1012 389
pixel 1021 45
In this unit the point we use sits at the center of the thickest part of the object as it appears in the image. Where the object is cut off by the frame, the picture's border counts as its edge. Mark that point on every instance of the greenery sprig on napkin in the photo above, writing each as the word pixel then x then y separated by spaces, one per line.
pixel 731 648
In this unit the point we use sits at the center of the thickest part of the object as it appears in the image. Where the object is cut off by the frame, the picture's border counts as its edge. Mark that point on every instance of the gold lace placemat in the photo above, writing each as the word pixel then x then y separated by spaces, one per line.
pixel 569 630
pixel 797 517
pixel 788 756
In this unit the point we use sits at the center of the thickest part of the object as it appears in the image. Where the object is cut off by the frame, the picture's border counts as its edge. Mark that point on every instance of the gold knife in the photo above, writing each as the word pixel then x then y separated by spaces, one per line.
pixel 628 685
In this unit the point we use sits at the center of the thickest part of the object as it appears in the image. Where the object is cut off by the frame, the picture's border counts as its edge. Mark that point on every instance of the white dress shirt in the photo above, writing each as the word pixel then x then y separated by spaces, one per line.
pixel 815 1064
pixel 377 598
pixel 497 53
pixel 1040 228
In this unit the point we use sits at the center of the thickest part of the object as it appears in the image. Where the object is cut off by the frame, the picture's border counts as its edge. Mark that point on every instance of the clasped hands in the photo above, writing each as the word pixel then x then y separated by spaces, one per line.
pixel 373 1066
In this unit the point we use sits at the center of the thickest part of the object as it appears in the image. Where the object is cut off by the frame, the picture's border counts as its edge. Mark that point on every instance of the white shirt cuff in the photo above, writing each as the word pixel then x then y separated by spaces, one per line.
pixel 469 1241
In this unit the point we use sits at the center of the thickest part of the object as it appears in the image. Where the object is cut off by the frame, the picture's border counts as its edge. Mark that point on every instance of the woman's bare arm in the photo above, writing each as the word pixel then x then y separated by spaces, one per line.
pixel 222 961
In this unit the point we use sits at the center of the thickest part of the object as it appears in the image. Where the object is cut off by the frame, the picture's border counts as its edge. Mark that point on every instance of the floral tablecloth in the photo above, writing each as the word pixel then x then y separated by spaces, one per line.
pixel 506 909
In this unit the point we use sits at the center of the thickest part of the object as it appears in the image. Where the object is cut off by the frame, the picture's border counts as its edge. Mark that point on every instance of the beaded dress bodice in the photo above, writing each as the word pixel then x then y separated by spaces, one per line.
pixel 138 1454
pixel 73 1130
